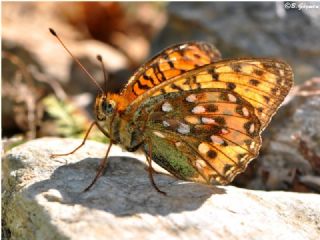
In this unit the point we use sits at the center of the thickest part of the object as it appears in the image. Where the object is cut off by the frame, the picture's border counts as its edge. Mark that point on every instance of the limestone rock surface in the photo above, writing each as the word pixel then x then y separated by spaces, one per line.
pixel 42 199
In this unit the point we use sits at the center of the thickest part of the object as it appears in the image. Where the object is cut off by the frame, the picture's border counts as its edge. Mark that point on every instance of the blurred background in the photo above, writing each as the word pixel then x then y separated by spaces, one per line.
pixel 44 93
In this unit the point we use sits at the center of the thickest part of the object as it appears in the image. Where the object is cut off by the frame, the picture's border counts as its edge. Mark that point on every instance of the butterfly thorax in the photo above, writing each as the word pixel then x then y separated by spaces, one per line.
pixel 109 108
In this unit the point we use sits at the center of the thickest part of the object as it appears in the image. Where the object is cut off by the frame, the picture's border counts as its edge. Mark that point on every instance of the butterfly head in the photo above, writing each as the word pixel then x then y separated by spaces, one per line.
pixel 104 107
pixel 108 105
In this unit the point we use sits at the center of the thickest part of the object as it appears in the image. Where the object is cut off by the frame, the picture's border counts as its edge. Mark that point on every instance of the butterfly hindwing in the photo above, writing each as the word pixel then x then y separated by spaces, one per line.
pixel 199 135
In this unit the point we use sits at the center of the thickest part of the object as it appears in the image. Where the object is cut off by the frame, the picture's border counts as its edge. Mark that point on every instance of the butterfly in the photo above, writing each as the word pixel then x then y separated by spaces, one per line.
pixel 194 114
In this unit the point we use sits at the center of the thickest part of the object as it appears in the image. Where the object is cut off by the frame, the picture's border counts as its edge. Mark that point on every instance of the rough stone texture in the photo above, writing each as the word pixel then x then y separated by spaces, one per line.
pixel 42 199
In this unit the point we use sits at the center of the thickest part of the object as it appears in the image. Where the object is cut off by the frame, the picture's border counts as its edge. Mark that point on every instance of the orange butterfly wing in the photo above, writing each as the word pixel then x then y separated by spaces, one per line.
pixel 170 63
pixel 264 83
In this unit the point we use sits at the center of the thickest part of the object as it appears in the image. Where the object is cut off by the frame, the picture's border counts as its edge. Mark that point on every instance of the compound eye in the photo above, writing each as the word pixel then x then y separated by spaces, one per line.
pixel 108 107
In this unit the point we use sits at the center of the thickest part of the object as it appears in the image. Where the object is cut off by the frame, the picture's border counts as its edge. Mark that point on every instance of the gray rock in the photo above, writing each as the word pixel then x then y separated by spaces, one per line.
pixel 43 199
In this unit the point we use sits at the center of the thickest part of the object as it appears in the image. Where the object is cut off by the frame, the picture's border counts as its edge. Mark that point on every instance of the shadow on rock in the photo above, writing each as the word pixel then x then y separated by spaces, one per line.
pixel 124 189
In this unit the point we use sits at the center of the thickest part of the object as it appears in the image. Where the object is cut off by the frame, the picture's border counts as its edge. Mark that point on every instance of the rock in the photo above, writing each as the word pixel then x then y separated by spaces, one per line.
pixel 43 199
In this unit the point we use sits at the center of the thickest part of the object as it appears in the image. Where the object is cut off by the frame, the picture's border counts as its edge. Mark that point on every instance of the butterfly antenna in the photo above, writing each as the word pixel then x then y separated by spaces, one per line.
pixel 76 60
pixel 104 72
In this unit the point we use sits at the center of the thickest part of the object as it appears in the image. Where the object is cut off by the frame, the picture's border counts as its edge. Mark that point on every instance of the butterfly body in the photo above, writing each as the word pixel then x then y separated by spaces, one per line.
pixel 197 116
pixel 121 129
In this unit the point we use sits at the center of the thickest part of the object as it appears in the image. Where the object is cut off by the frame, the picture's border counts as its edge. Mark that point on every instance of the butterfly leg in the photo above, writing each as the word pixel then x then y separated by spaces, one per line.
pixel 151 171
pixel 95 123
pixel 102 167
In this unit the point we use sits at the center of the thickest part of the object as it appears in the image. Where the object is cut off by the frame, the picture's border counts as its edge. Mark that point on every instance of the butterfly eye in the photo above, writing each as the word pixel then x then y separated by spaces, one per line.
pixel 108 107
pixel 104 107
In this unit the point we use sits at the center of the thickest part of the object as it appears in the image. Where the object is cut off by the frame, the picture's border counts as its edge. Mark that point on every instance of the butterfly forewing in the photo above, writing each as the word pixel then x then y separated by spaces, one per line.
pixel 264 83
pixel 201 135
pixel 170 63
